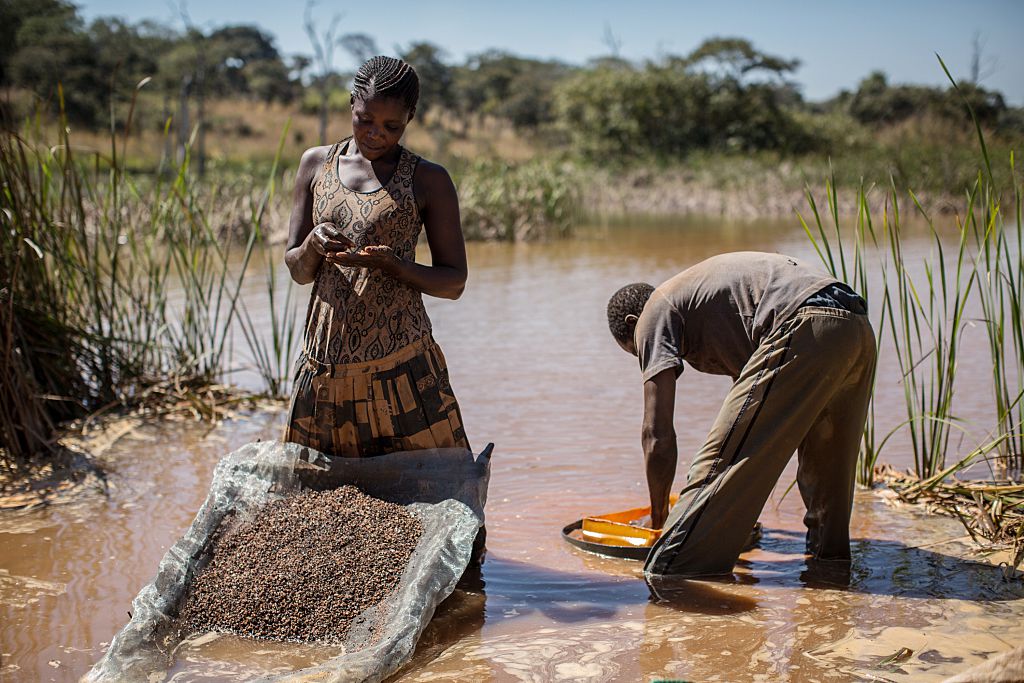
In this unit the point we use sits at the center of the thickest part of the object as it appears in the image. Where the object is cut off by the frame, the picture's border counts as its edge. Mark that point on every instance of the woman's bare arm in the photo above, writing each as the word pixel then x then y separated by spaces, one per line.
pixel 446 276
pixel 308 244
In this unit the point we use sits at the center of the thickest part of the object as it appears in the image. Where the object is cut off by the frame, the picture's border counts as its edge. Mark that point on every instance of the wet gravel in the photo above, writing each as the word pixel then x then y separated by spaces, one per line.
pixel 304 568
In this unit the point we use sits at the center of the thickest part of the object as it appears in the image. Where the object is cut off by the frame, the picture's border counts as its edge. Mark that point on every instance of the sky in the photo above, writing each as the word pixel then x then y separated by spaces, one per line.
pixel 838 43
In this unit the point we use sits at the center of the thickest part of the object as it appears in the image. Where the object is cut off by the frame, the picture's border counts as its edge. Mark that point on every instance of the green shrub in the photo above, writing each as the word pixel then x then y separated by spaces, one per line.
pixel 668 111
pixel 503 201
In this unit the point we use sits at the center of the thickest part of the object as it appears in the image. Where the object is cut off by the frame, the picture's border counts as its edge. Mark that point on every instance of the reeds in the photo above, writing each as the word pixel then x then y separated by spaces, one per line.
pixel 925 306
pixel 114 288
pixel 1000 292
pixel 272 357
pixel 514 202
pixel 927 313
pixel 927 319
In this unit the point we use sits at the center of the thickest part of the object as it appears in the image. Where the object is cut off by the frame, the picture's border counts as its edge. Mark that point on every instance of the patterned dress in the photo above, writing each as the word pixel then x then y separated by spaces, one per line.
pixel 370 379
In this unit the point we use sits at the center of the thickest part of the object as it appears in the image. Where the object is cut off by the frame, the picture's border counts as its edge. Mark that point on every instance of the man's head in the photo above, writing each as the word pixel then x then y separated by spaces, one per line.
pixel 624 309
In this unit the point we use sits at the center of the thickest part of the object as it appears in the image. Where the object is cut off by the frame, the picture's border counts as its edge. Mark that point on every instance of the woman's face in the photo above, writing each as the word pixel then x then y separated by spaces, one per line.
pixel 378 124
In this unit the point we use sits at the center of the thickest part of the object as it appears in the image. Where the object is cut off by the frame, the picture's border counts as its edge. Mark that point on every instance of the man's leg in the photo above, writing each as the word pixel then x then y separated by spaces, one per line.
pixel 828 458
pixel 765 417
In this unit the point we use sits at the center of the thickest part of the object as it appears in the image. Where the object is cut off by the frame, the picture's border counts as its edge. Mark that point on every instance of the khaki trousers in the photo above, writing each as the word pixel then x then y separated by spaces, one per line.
pixel 805 389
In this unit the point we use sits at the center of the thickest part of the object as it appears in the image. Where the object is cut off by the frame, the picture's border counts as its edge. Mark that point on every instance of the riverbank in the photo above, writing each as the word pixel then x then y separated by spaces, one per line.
pixel 531 183
pixel 551 198
pixel 753 192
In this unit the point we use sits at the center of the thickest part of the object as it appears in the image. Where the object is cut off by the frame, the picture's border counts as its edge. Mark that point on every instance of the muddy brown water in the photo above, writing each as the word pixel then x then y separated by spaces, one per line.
pixel 537 373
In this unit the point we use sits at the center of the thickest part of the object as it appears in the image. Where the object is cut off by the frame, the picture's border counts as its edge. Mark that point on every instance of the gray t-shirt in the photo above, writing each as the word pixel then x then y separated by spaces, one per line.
pixel 714 314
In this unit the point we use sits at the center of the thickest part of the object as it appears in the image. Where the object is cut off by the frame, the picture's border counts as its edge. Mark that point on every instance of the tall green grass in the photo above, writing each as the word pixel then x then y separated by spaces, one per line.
pixel 272 357
pixel 1000 288
pixel 926 313
pixel 517 202
pixel 1000 269
pixel 927 319
pixel 112 287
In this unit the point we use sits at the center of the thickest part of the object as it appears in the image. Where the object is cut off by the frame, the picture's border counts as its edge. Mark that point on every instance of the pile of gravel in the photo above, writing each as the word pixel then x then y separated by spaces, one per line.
pixel 304 568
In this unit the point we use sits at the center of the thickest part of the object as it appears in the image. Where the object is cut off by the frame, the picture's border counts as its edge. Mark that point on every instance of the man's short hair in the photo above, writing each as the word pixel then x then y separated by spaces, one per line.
pixel 629 300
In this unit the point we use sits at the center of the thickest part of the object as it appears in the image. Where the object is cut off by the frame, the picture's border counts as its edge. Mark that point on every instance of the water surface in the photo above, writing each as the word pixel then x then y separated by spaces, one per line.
pixel 537 373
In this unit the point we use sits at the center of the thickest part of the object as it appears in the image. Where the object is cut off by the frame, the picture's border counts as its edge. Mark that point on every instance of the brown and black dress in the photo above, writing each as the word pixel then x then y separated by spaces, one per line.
pixel 370 379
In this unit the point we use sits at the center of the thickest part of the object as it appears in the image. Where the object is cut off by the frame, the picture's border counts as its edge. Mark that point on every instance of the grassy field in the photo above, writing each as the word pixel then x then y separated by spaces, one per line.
pixel 937 159
pixel 244 136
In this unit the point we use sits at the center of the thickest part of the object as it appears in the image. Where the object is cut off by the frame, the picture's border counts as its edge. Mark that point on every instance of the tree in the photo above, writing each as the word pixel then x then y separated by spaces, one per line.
pixel 737 58
pixel 269 80
pixel 436 77
pixel 611 41
pixel 233 51
pixel 666 110
pixel 323 55
pixel 981 67
pixel 500 84
pixel 297 65
pixel 14 14
pixel 51 48
pixel 359 46
pixel 876 101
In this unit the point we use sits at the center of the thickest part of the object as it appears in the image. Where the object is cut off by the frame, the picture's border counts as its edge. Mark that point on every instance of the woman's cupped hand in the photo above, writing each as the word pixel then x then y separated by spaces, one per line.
pixel 328 241
pixel 375 256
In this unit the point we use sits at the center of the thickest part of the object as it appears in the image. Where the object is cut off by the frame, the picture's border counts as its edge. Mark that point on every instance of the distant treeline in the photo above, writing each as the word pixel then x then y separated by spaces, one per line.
pixel 725 95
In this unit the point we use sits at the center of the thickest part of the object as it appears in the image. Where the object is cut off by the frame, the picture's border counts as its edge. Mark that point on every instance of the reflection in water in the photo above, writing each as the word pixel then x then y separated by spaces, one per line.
pixel 537 373
pixel 700 597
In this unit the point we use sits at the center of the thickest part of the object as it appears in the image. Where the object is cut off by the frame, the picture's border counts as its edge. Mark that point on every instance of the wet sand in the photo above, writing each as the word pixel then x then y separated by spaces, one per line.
pixel 537 373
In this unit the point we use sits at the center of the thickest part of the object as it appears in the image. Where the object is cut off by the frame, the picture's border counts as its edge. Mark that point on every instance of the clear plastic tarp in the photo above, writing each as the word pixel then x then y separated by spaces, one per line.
pixel 445 488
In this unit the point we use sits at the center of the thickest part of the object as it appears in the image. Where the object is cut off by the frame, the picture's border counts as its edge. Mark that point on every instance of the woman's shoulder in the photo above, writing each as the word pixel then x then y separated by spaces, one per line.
pixel 314 156
pixel 430 174
pixel 312 161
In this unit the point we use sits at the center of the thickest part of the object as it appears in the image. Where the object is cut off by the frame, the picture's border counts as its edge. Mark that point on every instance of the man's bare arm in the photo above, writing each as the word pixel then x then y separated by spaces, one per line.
pixel 659 442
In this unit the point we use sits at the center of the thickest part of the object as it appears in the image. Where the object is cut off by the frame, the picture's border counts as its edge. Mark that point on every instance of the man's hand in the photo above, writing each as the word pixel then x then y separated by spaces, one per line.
pixel 659 442
pixel 644 522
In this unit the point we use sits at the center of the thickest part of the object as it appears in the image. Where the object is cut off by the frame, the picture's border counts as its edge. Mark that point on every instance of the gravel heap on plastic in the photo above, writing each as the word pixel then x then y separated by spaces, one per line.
pixel 304 567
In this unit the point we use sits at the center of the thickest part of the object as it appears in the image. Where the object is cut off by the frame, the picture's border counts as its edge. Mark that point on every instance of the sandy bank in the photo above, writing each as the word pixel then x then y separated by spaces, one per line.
pixel 776 194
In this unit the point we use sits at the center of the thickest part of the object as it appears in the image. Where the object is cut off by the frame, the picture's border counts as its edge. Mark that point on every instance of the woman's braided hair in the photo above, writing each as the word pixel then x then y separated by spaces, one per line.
pixel 387 77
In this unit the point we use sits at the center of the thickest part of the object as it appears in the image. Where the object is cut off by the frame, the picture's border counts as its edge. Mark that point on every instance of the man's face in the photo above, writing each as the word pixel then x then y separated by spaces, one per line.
pixel 629 346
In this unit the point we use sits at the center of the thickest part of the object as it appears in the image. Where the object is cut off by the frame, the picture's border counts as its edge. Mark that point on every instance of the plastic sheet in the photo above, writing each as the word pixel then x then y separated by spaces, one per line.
pixel 445 488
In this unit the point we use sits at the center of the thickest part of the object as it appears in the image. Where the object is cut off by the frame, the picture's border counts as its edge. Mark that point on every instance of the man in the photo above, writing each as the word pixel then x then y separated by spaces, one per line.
pixel 800 350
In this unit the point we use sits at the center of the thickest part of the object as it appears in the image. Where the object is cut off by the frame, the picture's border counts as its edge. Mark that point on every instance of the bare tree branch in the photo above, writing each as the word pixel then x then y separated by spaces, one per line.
pixel 611 41
pixel 981 67
pixel 323 53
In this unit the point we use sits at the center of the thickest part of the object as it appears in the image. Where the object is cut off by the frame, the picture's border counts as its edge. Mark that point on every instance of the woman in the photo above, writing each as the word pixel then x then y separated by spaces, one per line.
pixel 371 380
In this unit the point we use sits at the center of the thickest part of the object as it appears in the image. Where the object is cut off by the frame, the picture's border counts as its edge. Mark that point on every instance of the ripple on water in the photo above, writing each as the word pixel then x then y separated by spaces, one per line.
pixel 23 591
pixel 546 383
